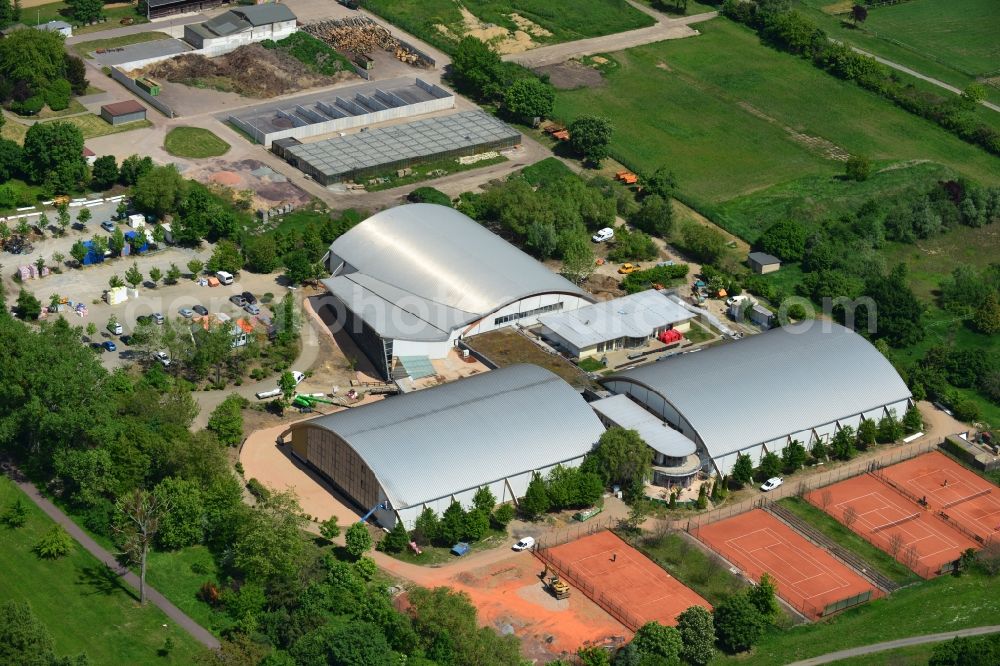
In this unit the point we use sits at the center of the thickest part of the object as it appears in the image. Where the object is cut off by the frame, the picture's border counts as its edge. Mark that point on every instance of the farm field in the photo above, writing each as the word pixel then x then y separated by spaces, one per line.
pixel 83 609
pixel 952 41
pixel 443 22
pixel 730 118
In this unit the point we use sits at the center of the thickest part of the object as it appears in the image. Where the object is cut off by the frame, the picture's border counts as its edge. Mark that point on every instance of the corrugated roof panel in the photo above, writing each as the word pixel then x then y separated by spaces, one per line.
pixel 633 316
pixel 432 443
pixel 774 384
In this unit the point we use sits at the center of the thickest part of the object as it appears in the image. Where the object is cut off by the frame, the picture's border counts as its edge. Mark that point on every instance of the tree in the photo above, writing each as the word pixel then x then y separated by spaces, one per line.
pixel 858 168
pixel 91 329
pixel 912 420
pixel 770 465
pixel 78 252
pixel 738 623
pixel 703 243
pixel 55 543
pixel 974 93
pixel 16 514
pixel 159 191
pixel 261 254
pixel 529 98
pixel 104 173
pixel 793 456
pixel 590 137
pixel 453 522
pixel 632 246
pixel 477 524
pixel 476 69
pixel 358 540
pixel 85 11
pixel 785 240
pixel 987 316
pixel 133 168
pixel 842 444
pixel 484 500
pixel 889 429
pixel 139 513
pixel 536 498
pixel 859 14
pixel 621 458
pixel 899 311
pixel 578 259
pixel 267 541
pixel 503 514
pixel 299 268
pixel 173 274
pixel 287 384
pixel 595 655
pixel 226 420
pixel 743 469
pixel 656 216
pixel 53 154
pixel 397 539
pixel 329 529
pixel 426 527
pixel 225 257
pixel 697 635
pixel 763 595
pixel 183 524
pixel 115 281
pixel 663 183
pixel 133 276
pixel 84 216
pixel 116 242
pixel 155 274
pixel 29 308
pixel 25 641
pixel 195 266
pixel 867 433
pixel 63 218
pixel 850 515
pixel 655 640
pixel 450 633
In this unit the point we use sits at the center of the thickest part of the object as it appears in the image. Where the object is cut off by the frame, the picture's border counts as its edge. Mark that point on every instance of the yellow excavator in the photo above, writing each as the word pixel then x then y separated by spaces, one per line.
pixel 557 587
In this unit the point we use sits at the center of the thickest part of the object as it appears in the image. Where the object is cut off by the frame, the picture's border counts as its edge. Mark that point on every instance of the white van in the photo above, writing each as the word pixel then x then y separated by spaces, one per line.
pixel 224 277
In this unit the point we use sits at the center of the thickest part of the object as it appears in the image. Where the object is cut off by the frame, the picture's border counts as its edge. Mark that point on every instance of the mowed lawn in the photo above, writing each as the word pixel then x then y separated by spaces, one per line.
pixel 194 142
pixel 83 609
pixel 566 21
pixel 962 33
pixel 731 116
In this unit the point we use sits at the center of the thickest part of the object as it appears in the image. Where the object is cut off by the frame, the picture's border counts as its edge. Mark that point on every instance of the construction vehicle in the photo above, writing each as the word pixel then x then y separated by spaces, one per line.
pixel 557 587
pixel 310 400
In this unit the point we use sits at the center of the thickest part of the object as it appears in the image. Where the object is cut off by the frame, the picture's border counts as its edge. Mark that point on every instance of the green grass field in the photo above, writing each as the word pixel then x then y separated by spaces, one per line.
pixel 690 565
pixel 179 575
pixel 587 18
pixel 93 125
pixel 945 603
pixel 194 142
pixel 917 655
pixel 732 117
pixel 910 47
pixel 83 609
pixel 849 540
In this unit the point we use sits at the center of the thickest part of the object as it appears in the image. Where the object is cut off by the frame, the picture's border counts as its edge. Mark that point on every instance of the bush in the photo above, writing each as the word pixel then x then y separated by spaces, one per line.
pixel 258 490
pixel 28 107
pixel 429 195
pixel 858 168
pixel 58 95
pixel 55 543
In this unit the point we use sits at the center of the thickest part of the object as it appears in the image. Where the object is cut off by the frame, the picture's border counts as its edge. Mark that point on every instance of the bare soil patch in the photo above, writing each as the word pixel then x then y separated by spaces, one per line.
pixel 251 71
pixel 269 187
pixel 572 74
pixel 502 39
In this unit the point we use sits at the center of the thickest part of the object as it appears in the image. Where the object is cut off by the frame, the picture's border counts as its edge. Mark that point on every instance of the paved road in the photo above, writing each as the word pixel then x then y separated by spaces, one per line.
pixel 200 634
pixel 665 28
pixel 899 643
pixel 922 77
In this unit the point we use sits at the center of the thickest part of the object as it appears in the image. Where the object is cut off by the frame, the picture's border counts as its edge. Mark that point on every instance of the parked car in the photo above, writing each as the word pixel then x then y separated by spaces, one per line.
pixel 252 308
pixel 187 313
pixel 605 234
pixel 248 297
pixel 157 318
pixel 771 483
pixel 163 358
pixel 525 543
pixel 110 346
pixel 237 300
pixel 629 268
pixel 200 309
pixel 126 340
pixel 108 226
pixel 115 328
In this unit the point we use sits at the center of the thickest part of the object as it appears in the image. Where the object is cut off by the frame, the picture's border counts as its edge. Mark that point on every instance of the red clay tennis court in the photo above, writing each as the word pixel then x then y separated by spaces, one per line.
pixel 962 495
pixel 807 577
pixel 622 580
pixel 893 522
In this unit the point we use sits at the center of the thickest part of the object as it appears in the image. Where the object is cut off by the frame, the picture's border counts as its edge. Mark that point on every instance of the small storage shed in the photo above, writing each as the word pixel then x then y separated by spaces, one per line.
pixel 120 113
pixel 762 262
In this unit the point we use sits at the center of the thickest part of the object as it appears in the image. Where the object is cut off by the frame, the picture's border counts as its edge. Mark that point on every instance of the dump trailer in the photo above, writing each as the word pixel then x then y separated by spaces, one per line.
pixel 557 587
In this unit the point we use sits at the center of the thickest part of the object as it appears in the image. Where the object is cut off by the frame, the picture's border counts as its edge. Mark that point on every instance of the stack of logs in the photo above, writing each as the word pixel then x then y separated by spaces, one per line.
pixel 359 35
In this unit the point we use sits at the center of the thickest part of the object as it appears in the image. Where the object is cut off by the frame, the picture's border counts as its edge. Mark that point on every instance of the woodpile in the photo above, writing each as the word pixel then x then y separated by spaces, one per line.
pixel 360 35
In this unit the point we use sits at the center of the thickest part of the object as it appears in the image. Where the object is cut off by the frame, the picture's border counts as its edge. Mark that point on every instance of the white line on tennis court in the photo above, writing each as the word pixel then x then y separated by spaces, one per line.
pixel 782 576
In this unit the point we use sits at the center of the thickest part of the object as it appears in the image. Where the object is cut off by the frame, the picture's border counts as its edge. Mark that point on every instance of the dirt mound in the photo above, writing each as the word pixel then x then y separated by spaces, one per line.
pixel 572 74
pixel 251 70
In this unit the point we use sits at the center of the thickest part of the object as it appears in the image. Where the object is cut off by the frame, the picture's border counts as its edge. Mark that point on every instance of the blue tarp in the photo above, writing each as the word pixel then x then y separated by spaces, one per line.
pixel 137 241
pixel 93 257
pixel 460 548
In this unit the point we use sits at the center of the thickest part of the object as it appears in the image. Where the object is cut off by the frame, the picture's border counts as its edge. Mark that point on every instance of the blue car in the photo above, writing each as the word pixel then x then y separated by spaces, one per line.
pixel 110 346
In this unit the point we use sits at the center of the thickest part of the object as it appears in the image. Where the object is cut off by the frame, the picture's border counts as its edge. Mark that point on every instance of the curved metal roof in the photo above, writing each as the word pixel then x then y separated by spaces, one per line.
pixel 767 386
pixel 438 255
pixel 432 443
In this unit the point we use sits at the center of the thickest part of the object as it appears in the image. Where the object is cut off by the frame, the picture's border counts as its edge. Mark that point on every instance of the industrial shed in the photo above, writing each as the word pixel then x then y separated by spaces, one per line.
pixel 757 394
pixel 241 26
pixel 411 280
pixel 119 113
pixel 427 448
